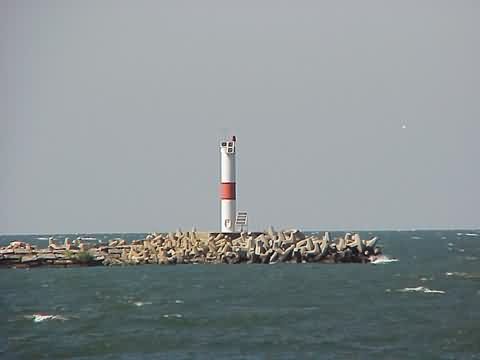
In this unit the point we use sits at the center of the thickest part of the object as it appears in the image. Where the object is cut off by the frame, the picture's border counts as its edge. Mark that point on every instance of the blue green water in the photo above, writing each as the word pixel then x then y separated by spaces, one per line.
pixel 424 306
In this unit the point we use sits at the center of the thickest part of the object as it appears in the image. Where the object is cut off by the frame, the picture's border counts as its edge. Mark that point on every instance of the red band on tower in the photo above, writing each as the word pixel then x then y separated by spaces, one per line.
pixel 227 191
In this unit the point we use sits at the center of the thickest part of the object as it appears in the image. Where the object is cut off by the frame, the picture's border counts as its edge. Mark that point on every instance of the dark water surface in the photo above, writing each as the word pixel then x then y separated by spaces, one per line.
pixel 425 306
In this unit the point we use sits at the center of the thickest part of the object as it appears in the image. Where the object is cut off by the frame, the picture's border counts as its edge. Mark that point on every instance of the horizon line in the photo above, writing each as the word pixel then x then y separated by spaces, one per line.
pixel 474 228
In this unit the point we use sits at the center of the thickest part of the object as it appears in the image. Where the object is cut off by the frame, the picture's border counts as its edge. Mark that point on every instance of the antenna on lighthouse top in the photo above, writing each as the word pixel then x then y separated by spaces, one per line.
pixel 228 146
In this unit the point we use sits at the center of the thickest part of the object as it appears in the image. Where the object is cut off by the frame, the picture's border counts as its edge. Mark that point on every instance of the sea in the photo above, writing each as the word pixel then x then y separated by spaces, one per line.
pixel 422 301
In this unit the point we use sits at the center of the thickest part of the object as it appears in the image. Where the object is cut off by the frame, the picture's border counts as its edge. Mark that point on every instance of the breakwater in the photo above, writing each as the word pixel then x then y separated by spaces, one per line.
pixel 194 247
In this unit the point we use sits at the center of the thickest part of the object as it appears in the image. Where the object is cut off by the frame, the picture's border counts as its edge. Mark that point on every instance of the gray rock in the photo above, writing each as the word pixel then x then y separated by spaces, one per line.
pixel 46 256
pixel 359 243
pixel 29 258
pixel 12 257
pixel 22 251
pixel 371 243
pixel 115 251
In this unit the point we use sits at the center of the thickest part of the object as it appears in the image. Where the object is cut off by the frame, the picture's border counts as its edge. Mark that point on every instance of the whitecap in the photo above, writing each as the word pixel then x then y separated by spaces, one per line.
pixel 472 234
pixel 416 237
pixel 429 291
pixel 456 274
pixel 142 303
pixel 176 316
pixel 179 301
pixel 451 244
pixel 383 260
pixel 43 317
pixel 459 234
pixel 422 289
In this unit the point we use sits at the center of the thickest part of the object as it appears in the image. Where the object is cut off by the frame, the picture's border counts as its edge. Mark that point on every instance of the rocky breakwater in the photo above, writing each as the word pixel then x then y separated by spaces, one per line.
pixel 24 255
pixel 269 247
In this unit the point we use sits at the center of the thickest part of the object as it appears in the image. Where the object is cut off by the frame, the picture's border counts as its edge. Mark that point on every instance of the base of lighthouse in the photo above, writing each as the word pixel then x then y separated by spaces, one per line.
pixel 228 216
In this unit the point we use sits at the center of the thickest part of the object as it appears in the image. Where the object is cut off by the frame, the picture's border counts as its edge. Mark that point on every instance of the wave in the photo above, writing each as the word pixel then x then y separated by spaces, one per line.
pixel 456 273
pixel 43 317
pixel 472 234
pixel 383 259
pixel 463 275
pixel 422 289
pixel 142 303
pixel 176 316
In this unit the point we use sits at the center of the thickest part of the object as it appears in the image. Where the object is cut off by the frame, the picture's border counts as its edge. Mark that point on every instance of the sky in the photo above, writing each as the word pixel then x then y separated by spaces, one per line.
pixel 348 114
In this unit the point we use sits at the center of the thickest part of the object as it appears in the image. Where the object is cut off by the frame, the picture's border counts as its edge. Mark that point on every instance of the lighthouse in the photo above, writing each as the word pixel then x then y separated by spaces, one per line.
pixel 227 185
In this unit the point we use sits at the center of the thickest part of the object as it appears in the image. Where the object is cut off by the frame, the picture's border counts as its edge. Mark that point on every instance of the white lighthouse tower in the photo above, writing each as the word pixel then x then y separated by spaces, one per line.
pixel 227 185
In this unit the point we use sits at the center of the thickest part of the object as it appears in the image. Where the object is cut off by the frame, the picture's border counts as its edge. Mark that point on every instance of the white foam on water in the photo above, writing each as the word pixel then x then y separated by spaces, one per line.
pixel 43 317
pixel 459 234
pixel 429 291
pixel 175 316
pixel 451 244
pixel 422 290
pixel 457 274
pixel 142 303
pixel 179 301
pixel 416 237
pixel 383 260
pixel 472 234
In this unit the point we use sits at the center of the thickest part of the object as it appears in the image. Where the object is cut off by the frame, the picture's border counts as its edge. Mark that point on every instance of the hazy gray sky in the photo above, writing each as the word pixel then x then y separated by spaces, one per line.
pixel 111 112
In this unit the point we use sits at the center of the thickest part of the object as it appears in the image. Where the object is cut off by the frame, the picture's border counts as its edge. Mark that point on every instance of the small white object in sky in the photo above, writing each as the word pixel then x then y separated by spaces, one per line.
pixel 404 126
